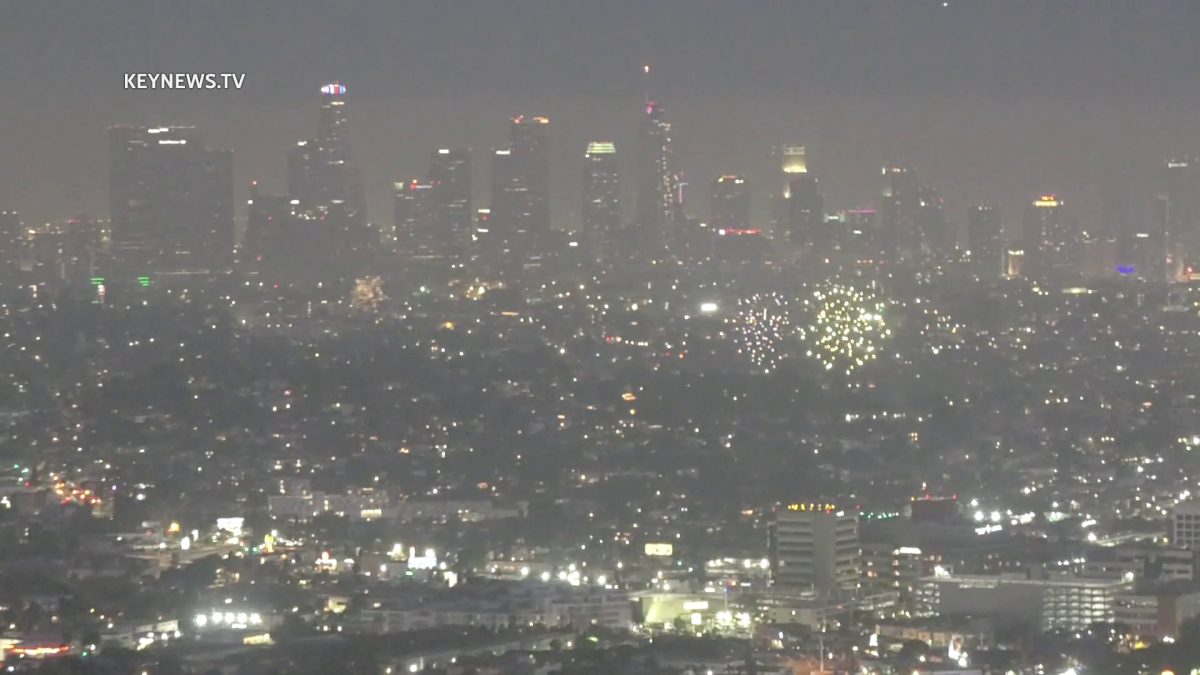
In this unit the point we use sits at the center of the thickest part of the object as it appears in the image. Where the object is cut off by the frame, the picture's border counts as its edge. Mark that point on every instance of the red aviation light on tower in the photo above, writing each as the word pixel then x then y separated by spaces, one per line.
pixel 334 89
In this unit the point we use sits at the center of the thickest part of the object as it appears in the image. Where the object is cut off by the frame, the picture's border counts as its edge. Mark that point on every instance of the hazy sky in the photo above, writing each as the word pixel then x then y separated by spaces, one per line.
pixel 991 100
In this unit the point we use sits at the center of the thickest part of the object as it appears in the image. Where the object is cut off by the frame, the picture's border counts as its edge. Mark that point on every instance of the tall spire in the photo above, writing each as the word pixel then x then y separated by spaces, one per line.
pixel 646 84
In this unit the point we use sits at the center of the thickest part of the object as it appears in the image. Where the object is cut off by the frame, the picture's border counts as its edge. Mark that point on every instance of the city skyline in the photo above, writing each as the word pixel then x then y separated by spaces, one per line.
pixel 849 121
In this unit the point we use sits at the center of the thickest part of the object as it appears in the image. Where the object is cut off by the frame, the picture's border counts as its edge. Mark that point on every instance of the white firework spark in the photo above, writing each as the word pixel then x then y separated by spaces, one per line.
pixel 845 327
pixel 763 326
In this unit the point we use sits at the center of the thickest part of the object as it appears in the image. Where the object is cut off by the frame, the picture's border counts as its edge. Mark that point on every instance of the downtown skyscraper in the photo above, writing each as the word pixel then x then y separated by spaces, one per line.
pixel 733 239
pixel 274 232
pixel 417 233
pixel 529 143
pixel 11 230
pixel 1052 244
pixel 804 223
pixel 505 222
pixel 450 176
pixel 601 201
pixel 934 238
pixel 1178 215
pixel 985 240
pixel 787 161
pixel 658 183
pixel 730 203
pixel 325 180
pixel 171 200
pixel 913 217
pixel 519 214
pixel 898 212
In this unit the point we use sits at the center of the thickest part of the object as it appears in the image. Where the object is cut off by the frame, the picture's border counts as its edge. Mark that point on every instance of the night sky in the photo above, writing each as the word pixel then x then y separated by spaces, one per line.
pixel 992 101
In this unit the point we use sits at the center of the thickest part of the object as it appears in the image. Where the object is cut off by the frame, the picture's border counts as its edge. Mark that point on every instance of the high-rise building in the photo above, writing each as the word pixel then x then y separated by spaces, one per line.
pixel 1146 256
pixel 862 234
pixel 417 231
pixel 791 161
pixel 787 161
pixel 929 220
pixel 337 173
pixel 325 179
pixel 733 239
pixel 1179 214
pixel 814 547
pixel 450 175
pixel 985 240
pixel 899 212
pixel 658 184
pixel 274 232
pixel 531 161
pixel 1052 244
pixel 83 247
pixel 1014 261
pixel 1123 224
pixel 508 222
pixel 302 181
pixel 1109 246
pixel 805 224
pixel 730 203
pixel 482 230
pixel 10 236
pixel 601 201
pixel 171 199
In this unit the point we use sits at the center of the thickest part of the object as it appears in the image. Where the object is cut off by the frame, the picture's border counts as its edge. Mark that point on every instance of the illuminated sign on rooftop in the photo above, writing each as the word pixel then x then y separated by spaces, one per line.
pixel 601 148
pixel 663 549
pixel 334 89
pixel 1046 201
pixel 827 508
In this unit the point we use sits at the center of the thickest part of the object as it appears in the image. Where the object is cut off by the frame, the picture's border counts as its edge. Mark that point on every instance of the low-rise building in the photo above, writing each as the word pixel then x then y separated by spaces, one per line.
pixel 1050 602
pixel 1155 610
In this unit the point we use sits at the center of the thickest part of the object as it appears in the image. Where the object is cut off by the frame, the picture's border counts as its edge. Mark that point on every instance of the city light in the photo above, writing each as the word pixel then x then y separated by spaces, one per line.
pixel 229 619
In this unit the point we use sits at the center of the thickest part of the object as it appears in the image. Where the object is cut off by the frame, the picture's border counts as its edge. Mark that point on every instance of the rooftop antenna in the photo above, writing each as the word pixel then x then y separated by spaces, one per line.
pixel 646 84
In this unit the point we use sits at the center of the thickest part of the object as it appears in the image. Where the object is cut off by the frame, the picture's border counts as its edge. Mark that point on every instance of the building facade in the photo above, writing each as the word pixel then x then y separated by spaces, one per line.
pixel 814 547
